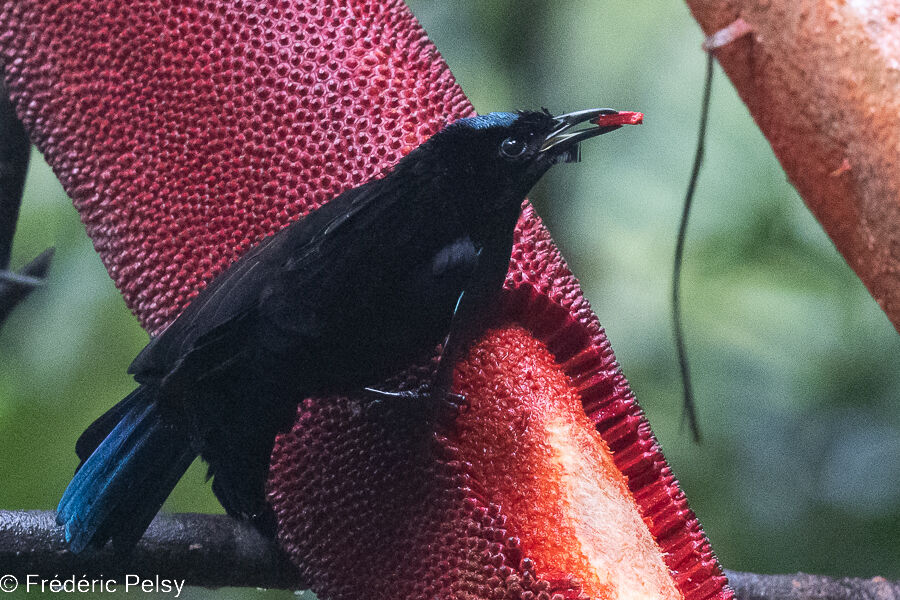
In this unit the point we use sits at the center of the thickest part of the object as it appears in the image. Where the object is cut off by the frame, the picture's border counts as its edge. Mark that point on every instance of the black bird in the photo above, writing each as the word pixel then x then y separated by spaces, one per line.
pixel 335 302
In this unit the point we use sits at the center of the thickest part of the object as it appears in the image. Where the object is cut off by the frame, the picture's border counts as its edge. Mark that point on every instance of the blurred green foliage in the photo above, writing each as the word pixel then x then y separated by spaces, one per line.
pixel 797 371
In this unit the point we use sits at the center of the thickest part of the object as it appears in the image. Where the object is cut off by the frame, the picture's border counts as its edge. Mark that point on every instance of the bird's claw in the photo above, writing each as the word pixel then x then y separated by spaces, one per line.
pixel 459 401
pixel 384 395
pixel 450 406
pixel 447 405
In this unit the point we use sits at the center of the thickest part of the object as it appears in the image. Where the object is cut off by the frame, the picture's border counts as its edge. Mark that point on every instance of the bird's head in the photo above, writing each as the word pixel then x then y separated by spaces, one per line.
pixel 498 157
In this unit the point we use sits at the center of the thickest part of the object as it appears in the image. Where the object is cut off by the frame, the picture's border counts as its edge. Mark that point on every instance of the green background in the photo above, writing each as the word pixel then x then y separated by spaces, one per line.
pixel 796 369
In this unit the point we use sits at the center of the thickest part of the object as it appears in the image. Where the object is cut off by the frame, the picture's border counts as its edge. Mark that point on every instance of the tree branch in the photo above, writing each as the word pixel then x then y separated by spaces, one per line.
pixel 15 287
pixel 752 586
pixel 15 149
pixel 217 551
pixel 204 550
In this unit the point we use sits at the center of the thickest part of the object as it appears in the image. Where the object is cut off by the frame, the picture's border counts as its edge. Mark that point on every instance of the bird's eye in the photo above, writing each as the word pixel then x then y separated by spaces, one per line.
pixel 512 147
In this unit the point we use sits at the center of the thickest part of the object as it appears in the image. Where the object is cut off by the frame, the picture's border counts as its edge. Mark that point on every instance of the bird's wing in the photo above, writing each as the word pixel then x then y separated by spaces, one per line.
pixel 215 324
pixel 475 304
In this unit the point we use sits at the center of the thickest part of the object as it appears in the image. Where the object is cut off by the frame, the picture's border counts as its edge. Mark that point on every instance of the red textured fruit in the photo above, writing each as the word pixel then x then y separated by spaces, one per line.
pixel 186 131
pixel 620 118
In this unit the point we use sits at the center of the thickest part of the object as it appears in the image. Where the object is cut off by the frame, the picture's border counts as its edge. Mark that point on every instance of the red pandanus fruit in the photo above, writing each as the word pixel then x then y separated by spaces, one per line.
pixel 186 131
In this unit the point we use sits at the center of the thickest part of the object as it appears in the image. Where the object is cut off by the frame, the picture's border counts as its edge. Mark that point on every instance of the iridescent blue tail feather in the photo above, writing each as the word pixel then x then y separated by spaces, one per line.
pixel 131 461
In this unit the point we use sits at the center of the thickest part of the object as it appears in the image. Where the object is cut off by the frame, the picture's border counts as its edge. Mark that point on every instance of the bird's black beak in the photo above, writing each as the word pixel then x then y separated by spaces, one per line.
pixel 564 138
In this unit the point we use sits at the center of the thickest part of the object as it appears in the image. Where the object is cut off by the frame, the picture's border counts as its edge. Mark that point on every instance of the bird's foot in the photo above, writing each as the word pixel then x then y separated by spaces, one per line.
pixel 384 395
pixel 447 405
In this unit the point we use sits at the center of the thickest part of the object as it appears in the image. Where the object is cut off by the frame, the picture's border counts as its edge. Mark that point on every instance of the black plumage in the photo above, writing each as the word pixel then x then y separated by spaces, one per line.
pixel 335 302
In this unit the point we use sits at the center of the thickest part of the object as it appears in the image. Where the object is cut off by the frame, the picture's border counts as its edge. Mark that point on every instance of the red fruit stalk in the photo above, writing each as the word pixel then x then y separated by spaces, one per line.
pixel 820 79
pixel 186 131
